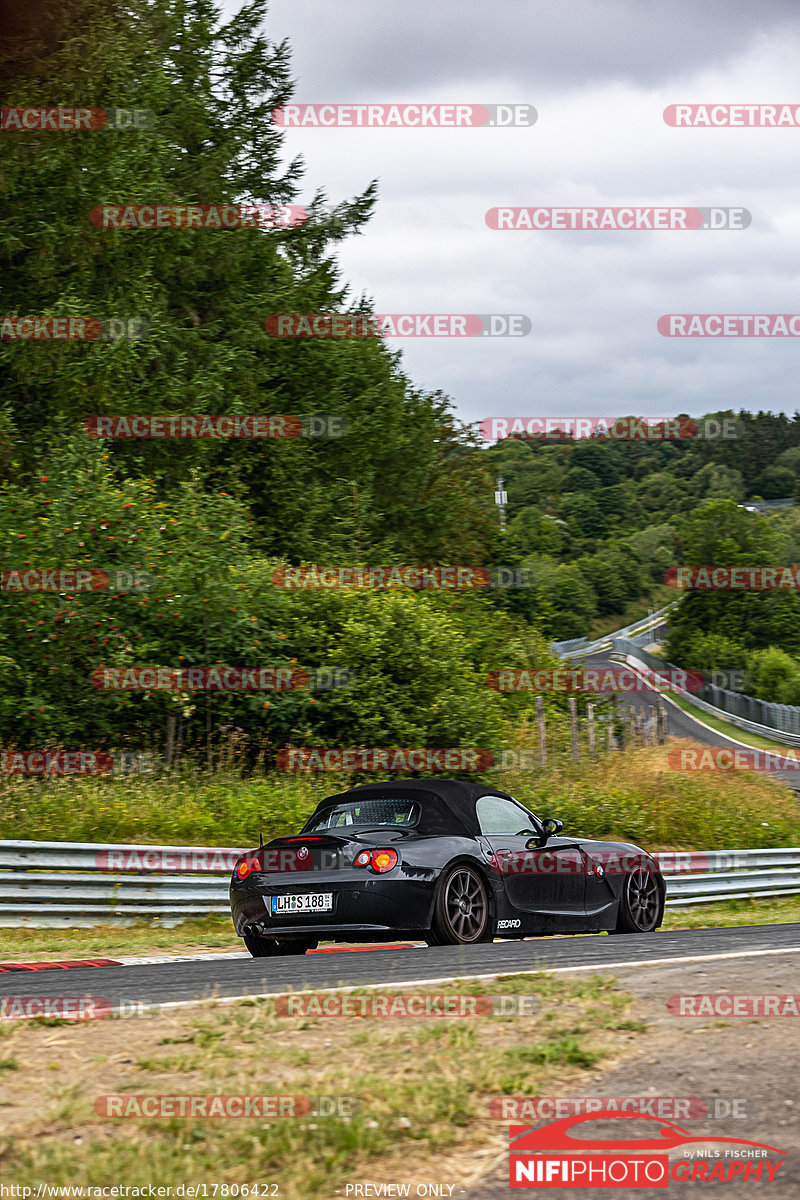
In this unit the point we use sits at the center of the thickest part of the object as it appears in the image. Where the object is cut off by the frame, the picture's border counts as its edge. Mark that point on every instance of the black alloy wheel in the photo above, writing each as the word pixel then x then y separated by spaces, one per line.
pixel 641 907
pixel 461 915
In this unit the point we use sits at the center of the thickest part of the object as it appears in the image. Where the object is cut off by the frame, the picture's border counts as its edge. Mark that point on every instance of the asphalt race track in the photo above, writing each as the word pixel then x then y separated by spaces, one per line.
pixel 679 723
pixel 192 981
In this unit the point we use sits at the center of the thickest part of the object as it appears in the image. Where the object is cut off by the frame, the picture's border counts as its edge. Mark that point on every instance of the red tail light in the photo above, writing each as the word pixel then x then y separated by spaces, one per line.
pixel 380 861
pixel 247 866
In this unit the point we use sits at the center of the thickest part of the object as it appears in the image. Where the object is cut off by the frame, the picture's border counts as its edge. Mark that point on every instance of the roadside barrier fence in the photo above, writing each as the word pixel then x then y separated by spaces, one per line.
pixel 63 885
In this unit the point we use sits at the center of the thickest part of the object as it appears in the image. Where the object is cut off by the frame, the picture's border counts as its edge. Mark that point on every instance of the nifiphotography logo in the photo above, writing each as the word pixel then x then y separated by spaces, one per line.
pixel 551 1157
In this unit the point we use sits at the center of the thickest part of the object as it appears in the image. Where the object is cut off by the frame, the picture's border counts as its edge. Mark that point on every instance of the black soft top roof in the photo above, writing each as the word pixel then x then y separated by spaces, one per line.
pixel 448 805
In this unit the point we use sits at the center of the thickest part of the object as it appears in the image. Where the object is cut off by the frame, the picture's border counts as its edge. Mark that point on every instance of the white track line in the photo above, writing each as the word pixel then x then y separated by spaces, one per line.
pixel 404 983
pixel 157 960
pixel 213 955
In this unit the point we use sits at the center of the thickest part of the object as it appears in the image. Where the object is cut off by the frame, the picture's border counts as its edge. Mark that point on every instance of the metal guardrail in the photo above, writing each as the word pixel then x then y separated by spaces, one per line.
pixel 568 647
pixel 704 889
pixel 63 885
pixel 702 877
pixel 97 856
pixel 751 712
pixel 582 647
pixel 628 647
pixel 767 505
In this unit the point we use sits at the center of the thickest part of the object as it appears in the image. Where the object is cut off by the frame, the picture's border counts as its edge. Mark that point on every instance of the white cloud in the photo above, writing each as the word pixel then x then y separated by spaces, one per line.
pixel 600 75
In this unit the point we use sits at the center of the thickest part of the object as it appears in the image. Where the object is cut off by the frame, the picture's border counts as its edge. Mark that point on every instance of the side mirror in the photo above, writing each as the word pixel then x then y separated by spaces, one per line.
pixel 550 828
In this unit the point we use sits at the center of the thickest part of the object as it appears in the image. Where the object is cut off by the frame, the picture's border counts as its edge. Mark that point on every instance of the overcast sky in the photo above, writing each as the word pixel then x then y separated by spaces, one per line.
pixel 600 73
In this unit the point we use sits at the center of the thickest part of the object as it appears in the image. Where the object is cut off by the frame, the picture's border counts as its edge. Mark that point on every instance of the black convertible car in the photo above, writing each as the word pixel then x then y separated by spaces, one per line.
pixel 438 859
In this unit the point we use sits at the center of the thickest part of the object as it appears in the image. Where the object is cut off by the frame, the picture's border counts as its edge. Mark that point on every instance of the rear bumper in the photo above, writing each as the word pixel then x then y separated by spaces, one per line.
pixel 372 906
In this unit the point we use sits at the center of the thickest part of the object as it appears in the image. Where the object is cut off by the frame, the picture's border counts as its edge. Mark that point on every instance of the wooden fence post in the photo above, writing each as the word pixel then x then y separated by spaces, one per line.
pixel 542 732
pixel 573 726
pixel 663 722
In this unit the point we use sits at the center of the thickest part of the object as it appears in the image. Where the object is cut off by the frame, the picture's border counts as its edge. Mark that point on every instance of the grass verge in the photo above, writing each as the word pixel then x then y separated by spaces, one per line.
pixel 410 1102
pixel 733 731
pixel 635 797
pixel 635 610
pixel 783 910
pixel 640 797
pixel 107 941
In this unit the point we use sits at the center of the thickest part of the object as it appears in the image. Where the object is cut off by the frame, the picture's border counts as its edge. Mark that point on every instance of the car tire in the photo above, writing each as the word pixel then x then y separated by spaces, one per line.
pixel 461 912
pixel 433 939
pixel 641 905
pixel 261 947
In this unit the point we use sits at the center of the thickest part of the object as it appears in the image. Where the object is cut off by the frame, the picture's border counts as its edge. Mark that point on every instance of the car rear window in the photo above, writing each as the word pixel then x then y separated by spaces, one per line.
pixel 381 810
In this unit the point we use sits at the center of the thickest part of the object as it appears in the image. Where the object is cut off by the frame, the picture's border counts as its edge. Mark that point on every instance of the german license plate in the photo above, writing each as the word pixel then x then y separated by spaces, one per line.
pixel 308 902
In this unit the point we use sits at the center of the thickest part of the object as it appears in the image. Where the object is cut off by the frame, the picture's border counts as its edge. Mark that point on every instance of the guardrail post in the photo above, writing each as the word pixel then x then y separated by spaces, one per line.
pixel 590 728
